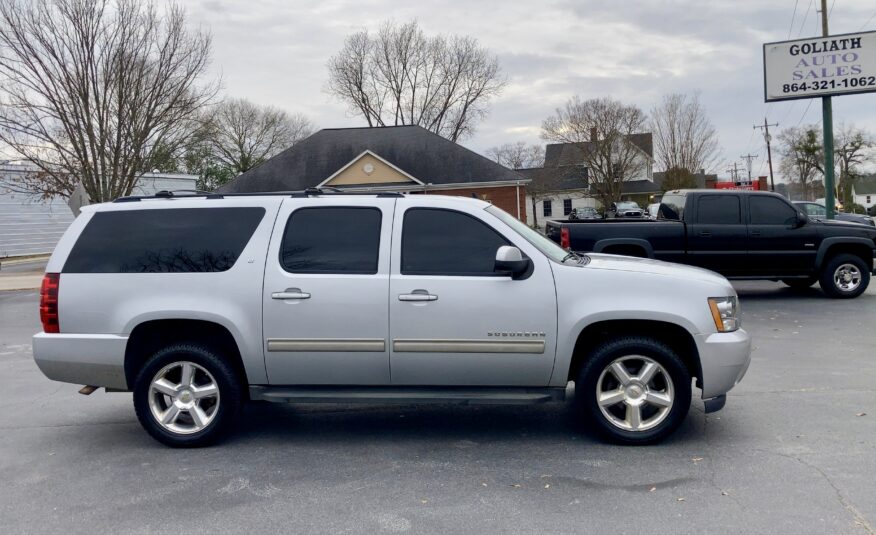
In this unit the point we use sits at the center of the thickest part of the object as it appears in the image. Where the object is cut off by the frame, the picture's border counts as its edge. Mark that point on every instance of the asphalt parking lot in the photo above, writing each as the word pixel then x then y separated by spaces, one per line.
pixel 794 451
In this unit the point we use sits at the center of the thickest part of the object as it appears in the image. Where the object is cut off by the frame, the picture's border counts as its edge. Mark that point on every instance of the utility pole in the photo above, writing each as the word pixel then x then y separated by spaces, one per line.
pixel 766 137
pixel 748 158
pixel 827 114
pixel 734 173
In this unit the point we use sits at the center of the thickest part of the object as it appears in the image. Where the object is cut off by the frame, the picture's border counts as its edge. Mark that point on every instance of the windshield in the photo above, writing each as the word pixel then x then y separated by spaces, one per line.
pixel 627 205
pixel 537 239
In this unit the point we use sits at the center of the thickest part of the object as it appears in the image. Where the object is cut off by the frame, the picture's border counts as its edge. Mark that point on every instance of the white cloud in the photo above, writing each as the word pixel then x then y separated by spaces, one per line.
pixel 275 51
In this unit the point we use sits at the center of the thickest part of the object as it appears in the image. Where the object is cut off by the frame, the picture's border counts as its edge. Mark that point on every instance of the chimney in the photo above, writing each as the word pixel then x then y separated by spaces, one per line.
pixel 593 135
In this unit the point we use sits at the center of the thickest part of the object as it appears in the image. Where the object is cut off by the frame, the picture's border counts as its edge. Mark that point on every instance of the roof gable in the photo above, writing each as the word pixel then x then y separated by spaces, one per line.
pixel 368 168
pixel 420 154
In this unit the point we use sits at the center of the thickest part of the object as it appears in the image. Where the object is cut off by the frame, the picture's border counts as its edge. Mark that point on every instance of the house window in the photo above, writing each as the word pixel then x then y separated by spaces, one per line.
pixel 567 206
pixel 868 199
pixel 548 210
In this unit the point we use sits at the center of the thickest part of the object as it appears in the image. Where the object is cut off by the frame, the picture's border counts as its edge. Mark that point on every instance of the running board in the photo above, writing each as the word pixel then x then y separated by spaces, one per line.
pixel 401 395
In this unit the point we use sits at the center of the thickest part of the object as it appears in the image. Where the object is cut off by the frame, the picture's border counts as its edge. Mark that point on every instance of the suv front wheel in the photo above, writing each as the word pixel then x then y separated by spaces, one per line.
pixel 186 396
pixel 845 276
pixel 635 390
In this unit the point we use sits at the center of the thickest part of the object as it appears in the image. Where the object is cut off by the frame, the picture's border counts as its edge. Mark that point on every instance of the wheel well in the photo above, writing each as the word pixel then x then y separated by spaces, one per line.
pixel 674 336
pixel 862 251
pixel 626 250
pixel 150 336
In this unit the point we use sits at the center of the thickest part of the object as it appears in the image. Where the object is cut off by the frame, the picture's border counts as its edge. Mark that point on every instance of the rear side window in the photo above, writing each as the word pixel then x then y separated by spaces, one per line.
pixel 444 242
pixel 768 210
pixel 718 210
pixel 177 240
pixel 671 207
pixel 332 240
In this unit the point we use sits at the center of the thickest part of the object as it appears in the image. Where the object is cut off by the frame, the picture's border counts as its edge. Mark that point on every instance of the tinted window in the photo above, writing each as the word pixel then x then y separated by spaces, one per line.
pixel 767 210
pixel 441 242
pixel 332 240
pixel 671 207
pixel 718 210
pixel 179 240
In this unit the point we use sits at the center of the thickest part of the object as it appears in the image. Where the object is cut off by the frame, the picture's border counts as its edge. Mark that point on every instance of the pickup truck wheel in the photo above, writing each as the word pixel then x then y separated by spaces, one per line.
pixel 635 390
pixel 186 396
pixel 844 276
pixel 800 284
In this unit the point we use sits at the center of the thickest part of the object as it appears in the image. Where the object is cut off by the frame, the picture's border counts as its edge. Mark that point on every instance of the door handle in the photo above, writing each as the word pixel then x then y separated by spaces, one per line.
pixel 756 233
pixel 290 293
pixel 418 295
pixel 705 234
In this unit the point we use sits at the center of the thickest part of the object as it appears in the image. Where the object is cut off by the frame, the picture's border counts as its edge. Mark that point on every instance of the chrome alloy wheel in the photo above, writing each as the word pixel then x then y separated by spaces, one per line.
pixel 847 277
pixel 183 398
pixel 635 393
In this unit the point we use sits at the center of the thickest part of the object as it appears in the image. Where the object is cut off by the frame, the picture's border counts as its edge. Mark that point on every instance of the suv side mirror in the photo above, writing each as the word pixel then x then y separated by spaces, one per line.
pixel 802 219
pixel 510 261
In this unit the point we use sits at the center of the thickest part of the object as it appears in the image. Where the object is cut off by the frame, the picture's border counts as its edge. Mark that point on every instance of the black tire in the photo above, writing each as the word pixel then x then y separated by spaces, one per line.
pixel 828 283
pixel 800 284
pixel 601 358
pixel 228 402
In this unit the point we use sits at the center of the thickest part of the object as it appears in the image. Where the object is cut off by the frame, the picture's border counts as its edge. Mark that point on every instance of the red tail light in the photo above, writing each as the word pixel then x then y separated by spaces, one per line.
pixel 49 302
pixel 564 238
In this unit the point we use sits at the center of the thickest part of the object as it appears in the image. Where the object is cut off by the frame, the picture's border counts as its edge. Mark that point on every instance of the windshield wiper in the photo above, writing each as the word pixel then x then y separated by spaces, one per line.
pixel 571 254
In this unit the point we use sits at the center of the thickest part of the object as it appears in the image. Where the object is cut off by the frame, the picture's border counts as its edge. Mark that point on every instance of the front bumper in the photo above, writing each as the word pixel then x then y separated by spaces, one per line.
pixel 724 359
pixel 85 359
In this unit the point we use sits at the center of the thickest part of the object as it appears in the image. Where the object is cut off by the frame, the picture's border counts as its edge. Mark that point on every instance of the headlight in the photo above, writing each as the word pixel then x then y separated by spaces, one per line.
pixel 725 311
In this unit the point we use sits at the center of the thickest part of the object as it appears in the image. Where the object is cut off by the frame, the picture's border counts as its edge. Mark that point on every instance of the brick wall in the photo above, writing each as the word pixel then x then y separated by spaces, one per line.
pixel 503 197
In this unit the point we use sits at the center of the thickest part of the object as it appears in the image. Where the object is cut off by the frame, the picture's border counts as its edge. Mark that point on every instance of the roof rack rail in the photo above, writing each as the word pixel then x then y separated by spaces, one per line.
pixel 309 192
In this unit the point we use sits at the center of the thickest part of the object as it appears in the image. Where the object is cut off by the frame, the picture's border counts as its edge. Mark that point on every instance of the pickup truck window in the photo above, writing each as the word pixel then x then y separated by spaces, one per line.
pixel 446 242
pixel 766 210
pixel 671 207
pixel 718 210
pixel 537 239
pixel 332 240
pixel 178 240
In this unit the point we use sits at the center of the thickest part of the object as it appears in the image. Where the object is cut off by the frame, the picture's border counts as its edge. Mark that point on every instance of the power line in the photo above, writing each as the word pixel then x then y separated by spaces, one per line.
pixel 830 11
pixel 809 105
pixel 803 24
pixel 868 20
pixel 793 15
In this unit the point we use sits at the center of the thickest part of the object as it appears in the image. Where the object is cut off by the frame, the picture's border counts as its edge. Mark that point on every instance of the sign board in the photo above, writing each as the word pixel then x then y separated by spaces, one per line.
pixel 749 186
pixel 820 66
pixel 78 199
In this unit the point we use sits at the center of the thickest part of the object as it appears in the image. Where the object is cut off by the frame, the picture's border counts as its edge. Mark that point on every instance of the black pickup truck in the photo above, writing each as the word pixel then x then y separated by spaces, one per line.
pixel 739 234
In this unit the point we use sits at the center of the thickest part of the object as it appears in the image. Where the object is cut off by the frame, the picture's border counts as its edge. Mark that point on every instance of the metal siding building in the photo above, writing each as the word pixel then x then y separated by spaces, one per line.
pixel 30 225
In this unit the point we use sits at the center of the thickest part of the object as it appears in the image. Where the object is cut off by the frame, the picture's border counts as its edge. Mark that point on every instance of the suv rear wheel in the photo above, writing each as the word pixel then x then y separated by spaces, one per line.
pixel 845 276
pixel 635 390
pixel 186 396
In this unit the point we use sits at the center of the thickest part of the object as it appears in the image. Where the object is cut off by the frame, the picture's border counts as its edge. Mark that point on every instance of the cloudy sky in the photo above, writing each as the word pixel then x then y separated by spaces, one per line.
pixel 275 51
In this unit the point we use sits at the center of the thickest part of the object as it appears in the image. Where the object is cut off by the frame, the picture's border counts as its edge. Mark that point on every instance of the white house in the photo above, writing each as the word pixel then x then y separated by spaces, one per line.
pixel 32 225
pixel 562 184
pixel 864 192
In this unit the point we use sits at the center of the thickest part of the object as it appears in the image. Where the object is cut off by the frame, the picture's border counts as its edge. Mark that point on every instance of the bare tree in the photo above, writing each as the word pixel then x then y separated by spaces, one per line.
pixel 402 77
pixel 518 155
pixel 543 182
pixel 678 178
pixel 684 137
pixel 604 128
pixel 802 157
pixel 243 134
pixel 92 87
pixel 853 149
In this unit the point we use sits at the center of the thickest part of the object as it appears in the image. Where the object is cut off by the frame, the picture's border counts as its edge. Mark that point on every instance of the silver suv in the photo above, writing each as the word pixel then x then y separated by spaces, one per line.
pixel 199 303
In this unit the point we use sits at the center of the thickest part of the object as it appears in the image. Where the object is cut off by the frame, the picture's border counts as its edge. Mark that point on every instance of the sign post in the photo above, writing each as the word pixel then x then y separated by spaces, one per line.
pixel 821 67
